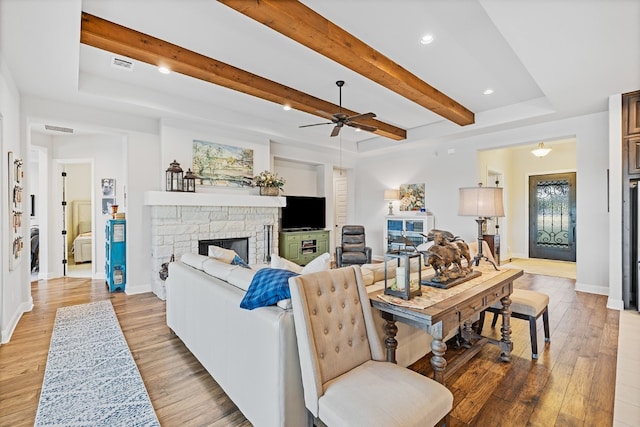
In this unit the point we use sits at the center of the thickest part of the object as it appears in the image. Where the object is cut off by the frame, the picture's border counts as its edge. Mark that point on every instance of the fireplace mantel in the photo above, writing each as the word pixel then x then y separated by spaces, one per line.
pixel 167 198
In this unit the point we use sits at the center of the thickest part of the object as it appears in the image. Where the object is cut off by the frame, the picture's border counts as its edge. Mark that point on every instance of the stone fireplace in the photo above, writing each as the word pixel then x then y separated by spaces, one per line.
pixel 179 221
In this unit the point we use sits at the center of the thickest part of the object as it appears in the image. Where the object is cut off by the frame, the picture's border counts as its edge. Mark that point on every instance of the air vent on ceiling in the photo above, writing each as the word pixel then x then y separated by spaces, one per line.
pixel 58 129
pixel 122 63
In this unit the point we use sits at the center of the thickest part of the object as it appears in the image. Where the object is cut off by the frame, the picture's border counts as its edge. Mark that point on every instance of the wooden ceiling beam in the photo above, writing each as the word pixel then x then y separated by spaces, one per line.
pixel 296 21
pixel 106 35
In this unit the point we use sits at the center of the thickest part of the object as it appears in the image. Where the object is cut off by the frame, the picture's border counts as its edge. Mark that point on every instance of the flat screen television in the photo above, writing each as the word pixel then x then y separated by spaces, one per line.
pixel 303 213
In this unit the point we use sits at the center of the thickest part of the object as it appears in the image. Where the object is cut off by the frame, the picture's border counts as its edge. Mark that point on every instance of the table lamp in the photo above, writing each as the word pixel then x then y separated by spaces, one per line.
pixel 481 202
pixel 391 195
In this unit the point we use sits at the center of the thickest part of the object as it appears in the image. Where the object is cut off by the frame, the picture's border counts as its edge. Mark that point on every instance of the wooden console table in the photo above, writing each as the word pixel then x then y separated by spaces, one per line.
pixel 450 309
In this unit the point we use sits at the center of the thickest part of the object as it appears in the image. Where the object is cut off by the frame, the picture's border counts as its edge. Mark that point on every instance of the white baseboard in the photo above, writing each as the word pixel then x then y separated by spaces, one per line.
pixel 5 334
pixel 137 289
pixel 592 289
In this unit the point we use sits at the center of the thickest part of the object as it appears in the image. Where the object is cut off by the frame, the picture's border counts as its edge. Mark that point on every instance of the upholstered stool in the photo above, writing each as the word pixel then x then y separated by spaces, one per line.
pixel 527 305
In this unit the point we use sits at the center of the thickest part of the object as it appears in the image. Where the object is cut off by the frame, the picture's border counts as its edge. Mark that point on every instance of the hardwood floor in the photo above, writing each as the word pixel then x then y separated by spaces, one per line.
pixel 572 383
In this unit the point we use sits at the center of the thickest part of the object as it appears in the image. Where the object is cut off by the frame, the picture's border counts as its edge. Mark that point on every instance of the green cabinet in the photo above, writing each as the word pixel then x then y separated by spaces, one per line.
pixel 302 247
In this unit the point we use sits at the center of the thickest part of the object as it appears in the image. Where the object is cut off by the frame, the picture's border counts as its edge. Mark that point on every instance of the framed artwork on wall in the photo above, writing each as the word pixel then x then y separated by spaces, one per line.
pixel 15 177
pixel 108 187
pixel 107 202
pixel 222 165
pixel 412 197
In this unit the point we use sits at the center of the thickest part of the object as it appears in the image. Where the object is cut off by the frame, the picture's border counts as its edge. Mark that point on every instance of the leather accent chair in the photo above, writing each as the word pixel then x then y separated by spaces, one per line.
pixel 353 250
pixel 345 377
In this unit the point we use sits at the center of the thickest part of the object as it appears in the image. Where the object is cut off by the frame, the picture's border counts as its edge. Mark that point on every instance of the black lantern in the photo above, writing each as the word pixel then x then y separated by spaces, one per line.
pixel 189 182
pixel 174 177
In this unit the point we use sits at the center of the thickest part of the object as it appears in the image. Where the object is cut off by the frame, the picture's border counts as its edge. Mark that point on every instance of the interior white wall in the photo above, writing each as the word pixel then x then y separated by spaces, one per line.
pixel 301 178
pixel 446 166
pixel 15 288
pixel 177 144
pixel 140 178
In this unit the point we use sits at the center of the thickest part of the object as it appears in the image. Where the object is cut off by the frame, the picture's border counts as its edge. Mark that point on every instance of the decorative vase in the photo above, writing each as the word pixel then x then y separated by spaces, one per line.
pixel 269 191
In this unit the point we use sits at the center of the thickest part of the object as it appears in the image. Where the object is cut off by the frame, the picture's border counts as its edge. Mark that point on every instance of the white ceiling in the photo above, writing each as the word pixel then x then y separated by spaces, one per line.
pixel 544 59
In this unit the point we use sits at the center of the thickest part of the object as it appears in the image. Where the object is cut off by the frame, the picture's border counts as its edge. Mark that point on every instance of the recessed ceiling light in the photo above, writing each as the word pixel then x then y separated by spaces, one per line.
pixel 286 107
pixel 164 70
pixel 488 91
pixel 426 39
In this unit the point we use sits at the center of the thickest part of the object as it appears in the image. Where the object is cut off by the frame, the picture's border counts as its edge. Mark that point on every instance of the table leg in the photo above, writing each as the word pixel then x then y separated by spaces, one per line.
pixel 505 344
pixel 438 349
pixel 466 334
pixel 390 342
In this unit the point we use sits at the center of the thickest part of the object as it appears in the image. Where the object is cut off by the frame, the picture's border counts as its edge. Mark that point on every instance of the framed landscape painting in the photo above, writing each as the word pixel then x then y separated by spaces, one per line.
pixel 222 165
pixel 412 197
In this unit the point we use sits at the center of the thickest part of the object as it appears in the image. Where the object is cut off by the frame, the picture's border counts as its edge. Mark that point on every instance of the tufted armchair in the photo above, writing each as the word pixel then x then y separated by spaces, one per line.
pixel 345 378
pixel 354 249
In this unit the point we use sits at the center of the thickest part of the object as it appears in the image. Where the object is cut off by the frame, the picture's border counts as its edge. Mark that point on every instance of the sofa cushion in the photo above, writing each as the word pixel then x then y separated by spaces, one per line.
pixel 194 260
pixel 218 269
pixel 241 277
pixel 320 263
pixel 267 287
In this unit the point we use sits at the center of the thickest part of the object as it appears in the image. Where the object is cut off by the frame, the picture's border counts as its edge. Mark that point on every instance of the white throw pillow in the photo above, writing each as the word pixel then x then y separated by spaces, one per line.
pixel 222 254
pixel 284 264
pixel 321 263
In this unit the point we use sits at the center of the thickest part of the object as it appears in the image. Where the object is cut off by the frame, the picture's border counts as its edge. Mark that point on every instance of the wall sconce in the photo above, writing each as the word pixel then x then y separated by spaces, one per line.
pixel 189 182
pixel 391 195
pixel 174 177
pixel 481 202
pixel 541 151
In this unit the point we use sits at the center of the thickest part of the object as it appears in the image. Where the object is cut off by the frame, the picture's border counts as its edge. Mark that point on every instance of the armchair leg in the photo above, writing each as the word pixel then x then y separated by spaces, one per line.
pixel 495 320
pixel 545 322
pixel 480 323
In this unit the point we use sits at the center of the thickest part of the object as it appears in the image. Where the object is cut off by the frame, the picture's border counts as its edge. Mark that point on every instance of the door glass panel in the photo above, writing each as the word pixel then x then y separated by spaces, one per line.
pixel 553 215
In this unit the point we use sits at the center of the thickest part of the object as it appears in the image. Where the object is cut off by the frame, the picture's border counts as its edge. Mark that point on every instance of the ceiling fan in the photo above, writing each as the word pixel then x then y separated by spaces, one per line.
pixel 340 119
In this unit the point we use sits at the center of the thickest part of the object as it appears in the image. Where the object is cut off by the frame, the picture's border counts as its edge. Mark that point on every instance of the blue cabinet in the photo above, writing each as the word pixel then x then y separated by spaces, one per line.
pixel 116 254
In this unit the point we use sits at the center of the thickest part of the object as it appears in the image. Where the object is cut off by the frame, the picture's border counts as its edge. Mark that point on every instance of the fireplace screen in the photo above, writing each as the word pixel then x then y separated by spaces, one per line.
pixel 240 245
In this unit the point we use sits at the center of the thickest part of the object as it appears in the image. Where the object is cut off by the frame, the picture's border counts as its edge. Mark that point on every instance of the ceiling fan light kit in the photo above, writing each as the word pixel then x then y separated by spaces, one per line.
pixel 340 119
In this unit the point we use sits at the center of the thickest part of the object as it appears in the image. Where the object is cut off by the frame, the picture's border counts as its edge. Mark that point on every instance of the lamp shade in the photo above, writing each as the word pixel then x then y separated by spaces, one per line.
pixel 391 194
pixel 481 202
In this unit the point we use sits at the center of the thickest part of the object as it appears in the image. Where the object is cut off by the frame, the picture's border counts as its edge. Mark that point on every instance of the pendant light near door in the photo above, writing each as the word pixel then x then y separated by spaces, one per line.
pixel 541 151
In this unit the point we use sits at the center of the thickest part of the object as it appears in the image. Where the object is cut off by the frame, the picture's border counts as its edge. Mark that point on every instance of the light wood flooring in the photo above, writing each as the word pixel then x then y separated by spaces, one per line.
pixel 572 384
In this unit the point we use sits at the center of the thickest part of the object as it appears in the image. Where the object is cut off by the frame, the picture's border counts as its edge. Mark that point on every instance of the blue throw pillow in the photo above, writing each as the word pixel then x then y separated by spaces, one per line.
pixel 239 261
pixel 268 286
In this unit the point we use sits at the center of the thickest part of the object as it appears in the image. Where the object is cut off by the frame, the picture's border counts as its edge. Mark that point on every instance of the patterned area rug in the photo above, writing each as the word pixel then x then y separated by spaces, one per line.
pixel 91 378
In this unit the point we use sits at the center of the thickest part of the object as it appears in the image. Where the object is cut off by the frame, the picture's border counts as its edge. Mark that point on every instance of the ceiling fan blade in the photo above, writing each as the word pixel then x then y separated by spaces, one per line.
pixel 361 116
pixel 336 130
pixel 316 124
pixel 362 126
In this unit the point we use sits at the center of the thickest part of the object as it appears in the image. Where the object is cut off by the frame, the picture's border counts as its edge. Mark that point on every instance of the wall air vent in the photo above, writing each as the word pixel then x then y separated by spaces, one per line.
pixel 58 129
pixel 121 63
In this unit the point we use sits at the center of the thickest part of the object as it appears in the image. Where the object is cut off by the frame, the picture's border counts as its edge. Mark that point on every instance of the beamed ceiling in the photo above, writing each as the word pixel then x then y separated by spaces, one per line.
pixel 235 63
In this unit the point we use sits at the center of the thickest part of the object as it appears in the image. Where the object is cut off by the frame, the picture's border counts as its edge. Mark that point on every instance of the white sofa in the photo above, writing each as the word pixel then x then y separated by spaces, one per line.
pixel 252 354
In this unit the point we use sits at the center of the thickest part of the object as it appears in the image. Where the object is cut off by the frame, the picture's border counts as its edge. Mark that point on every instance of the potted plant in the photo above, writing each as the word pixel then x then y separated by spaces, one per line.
pixel 270 183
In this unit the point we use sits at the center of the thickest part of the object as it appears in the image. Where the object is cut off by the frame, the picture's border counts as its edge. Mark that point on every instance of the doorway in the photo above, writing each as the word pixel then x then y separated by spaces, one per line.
pixel 78 217
pixel 552 216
